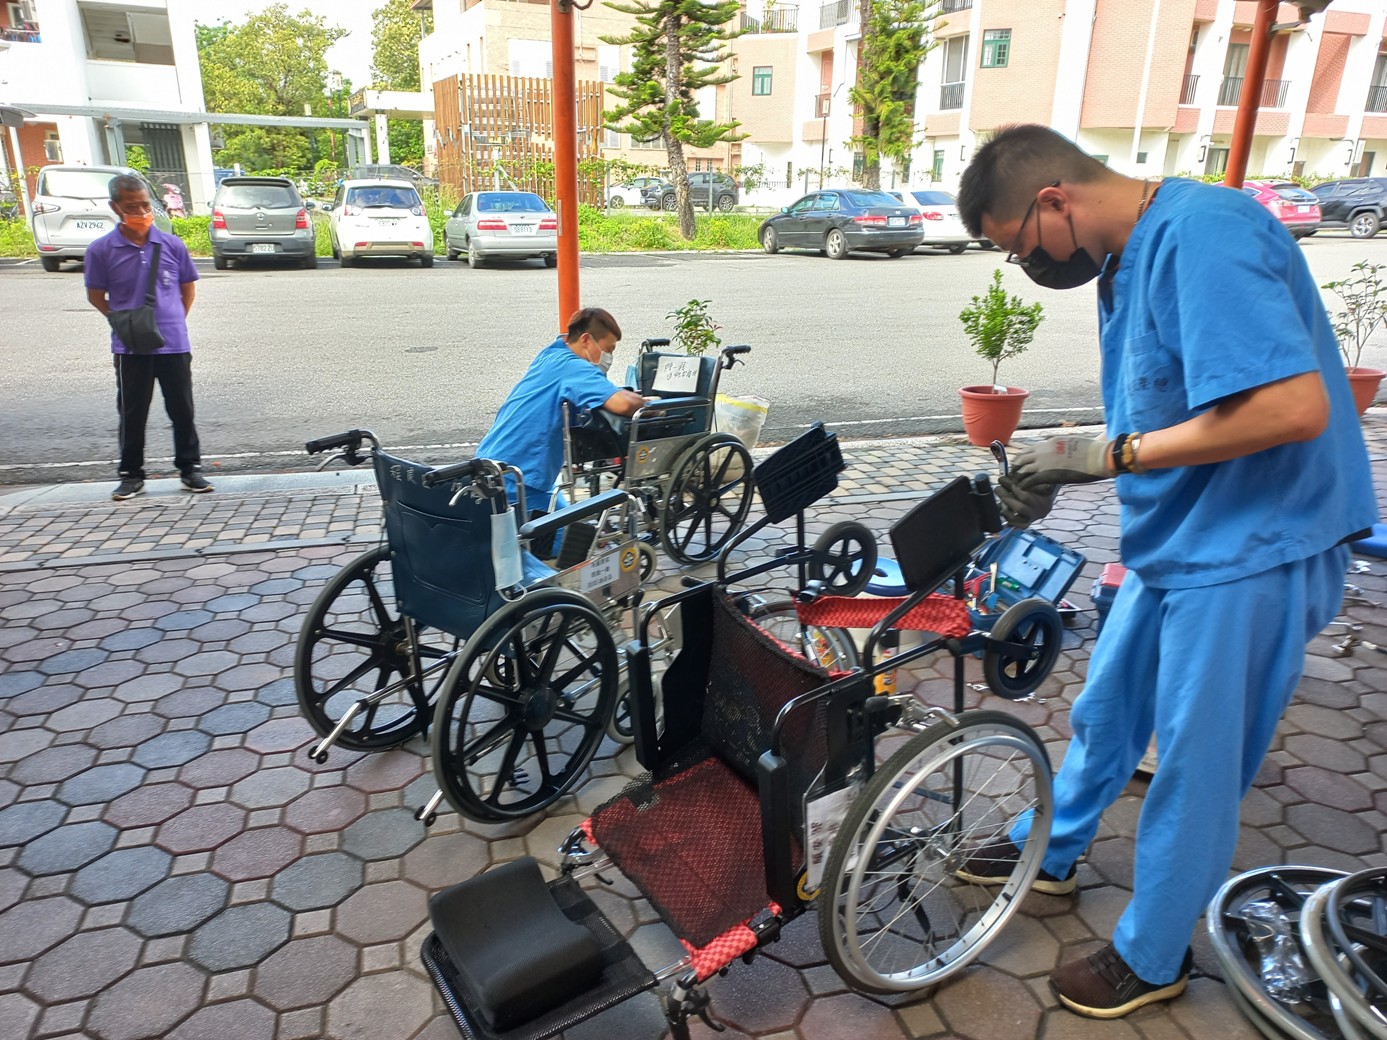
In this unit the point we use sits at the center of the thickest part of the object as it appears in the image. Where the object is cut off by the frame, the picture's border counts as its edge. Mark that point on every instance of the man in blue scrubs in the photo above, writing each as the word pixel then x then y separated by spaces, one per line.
pixel 528 430
pixel 1241 473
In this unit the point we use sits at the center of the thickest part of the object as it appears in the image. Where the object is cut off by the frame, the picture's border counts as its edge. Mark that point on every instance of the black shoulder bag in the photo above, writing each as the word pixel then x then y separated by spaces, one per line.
pixel 136 327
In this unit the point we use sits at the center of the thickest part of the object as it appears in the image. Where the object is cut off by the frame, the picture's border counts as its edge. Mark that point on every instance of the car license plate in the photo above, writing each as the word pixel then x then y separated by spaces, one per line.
pixel 1302 209
pixel 895 222
pixel 386 221
pixel 262 247
pixel 90 225
pixel 523 229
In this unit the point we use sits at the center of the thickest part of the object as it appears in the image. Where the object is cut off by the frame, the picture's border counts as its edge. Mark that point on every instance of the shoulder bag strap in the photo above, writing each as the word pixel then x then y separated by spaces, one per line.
pixel 153 275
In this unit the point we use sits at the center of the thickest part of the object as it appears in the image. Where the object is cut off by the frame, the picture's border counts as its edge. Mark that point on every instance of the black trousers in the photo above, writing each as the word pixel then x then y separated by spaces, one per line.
pixel 136 375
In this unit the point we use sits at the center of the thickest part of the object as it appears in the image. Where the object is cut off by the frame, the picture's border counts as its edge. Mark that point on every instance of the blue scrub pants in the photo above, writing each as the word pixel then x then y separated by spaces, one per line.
pixel 1210 671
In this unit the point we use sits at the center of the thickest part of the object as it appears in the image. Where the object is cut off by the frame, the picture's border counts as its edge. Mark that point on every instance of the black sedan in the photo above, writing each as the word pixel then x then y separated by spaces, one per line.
pixel 836 221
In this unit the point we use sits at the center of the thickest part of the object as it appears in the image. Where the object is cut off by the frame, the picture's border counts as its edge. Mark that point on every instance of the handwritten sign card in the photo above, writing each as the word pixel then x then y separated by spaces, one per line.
pixel 676 375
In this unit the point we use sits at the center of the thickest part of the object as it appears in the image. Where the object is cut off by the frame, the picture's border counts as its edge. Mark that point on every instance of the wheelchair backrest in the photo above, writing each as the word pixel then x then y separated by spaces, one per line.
pixel 676 375
pixel 440 555
pixel 936 539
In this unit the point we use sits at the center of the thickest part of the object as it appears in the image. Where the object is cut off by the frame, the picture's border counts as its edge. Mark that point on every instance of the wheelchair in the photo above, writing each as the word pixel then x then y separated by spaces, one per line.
pixel 773 788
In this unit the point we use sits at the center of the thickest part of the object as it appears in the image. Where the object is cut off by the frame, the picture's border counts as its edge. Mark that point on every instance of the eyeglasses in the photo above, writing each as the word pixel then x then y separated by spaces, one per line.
pixel 1024 262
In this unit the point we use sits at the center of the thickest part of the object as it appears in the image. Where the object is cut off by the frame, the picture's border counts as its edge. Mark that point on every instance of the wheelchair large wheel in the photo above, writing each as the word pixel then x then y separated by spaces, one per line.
pixel 708 498
pixel 1033 623
pixel 525 706
pixel 893 916
pixel 353 646
pixel 831 649
pixel 845 558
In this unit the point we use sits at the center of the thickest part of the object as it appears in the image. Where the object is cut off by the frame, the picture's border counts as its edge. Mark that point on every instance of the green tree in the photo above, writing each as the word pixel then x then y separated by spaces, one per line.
pixel 395 35
pixel 272 64
pixel 677 48
pixel 895 39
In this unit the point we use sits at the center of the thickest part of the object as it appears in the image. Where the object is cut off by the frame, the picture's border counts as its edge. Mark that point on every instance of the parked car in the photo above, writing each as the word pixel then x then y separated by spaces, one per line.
pixel 840 220
pixel 72 209
pixel 1359 205
pixel 511 225
pixel 632 193
pixel 704 185
pixel 942 227
pixel 379 218
pixel 390 172
pixel 260 218
pixel 1296 208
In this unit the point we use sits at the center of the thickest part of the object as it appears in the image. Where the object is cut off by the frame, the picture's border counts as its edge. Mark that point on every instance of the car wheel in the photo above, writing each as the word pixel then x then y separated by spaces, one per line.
pixel 50 263
pixel 615 202
pixel 219 262
pixel 426 260
pixel 769 241
pixel 309 263
pixel 835 245
pixel 1364 225
pixel 474 257
pixel 452 253
pixel 955 250
pixel 551 260
pixel 986 243
pixel 725 203
pixel 896 254
pixel 667 203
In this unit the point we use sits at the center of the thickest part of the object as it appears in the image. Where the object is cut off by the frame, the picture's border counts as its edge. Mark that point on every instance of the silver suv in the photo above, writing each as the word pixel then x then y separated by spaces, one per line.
pixel 706 188
pixel 260 218
pixel 72 209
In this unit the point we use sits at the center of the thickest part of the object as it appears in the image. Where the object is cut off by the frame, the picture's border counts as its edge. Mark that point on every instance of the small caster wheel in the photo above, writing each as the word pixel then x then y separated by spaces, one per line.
pixel 317 756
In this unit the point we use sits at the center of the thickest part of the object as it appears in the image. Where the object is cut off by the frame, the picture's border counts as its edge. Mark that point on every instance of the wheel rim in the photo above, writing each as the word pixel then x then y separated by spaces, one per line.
pixel 1032 623
pixel 709 497
pixel 829 648
pixel 845 558
pixel 836 243
pixel 1363 226
pixel 526 706
pixel 903 921
pixel 355 643
pixel 768 240
pixel 668 203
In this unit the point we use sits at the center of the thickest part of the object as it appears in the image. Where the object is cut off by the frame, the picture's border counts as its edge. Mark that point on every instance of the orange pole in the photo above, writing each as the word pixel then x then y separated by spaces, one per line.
pixel 565 156
pixel 1250 100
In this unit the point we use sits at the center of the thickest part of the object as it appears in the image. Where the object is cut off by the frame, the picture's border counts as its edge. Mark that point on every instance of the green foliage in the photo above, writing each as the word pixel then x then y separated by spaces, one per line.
pixel 395 34
pixel 16 239
pixel 895 40
pixel 600 232
pixel 194 233
pixel 1000 326
pixel 694 328
pixel 137 158
pixel 1364 297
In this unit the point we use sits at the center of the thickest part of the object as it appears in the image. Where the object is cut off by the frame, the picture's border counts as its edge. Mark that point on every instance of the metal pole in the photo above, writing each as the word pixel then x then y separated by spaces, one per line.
pixel 565 155
pixel 1250 100
pixel 23 175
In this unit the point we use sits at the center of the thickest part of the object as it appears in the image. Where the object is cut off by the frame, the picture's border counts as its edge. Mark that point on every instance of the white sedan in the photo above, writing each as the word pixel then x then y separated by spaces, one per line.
pixel 379 218
pixel 943 229
pixel 629 194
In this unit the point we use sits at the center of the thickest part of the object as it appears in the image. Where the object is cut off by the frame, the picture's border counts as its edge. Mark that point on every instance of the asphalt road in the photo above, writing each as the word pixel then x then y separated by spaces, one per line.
pixel 870 345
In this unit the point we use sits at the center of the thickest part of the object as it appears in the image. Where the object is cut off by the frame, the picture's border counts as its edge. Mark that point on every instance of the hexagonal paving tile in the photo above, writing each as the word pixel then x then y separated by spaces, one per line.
pixel 306 972
pixel 67 848
pixel 25 821
pixel 317 882
pixel 258 853
pixel 234 718
pixel 121 875
pixel 235 1020
pixel 279 735
pixel 148 805
pixel 172 749
pixel 37 925
pixel 19 1013
pixel 125 731
pixel 392 1003
pixel 240 936
pixel 384 834
pixel 147 1003
pixel 325 809
pixel 219 768
pixel 53 764
pixel 101 784
pixel 201 828
pixel 178 905
pixel 383 912
pixel 184 704
pixel 83 965
pixel 385 772
pixel 270 787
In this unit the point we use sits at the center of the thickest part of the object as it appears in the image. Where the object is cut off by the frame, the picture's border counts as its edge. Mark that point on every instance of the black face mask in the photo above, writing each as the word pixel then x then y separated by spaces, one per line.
pixel 1046 271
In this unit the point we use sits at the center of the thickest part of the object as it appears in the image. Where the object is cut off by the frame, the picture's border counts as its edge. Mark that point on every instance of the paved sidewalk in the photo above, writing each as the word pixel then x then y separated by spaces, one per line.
pixel 173 865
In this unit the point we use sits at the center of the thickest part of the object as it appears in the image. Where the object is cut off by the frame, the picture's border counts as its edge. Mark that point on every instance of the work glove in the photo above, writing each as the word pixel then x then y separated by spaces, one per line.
pixel 1061 460
pixel 1022 507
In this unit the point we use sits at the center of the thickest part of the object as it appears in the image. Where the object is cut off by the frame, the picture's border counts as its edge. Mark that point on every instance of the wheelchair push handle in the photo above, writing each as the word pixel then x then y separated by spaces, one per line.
pixel 654 343
pixel 459 470
pixel 352 438
pixel 730 354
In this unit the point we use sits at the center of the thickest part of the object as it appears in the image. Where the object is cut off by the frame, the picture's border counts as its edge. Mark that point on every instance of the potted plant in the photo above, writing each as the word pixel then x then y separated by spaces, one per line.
pixel 1364 297
pixel 697 333
pixel 999 326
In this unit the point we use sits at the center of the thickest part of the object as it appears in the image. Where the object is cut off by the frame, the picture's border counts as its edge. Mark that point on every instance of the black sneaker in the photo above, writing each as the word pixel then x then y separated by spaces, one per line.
pixel 194 481
pixel 128 487
pixel 994 864
pixel 1103 985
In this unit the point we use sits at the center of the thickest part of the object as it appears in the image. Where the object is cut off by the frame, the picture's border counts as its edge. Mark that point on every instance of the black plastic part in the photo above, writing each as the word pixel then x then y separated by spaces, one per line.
pixel 641 696
pixel 456 471
pixel 654 408
pixel 773 781
pixel 653 342
pixel 550 523
pixel 799 474
pixel 944 529
pixel 339 440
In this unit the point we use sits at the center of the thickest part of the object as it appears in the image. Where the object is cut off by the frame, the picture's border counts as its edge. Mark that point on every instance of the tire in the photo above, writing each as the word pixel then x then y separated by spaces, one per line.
pixel 451 253
pixel 336 253
pixel 725 203
pixel 220 262
pixel 524 707
pixel 770 241
pixel 896 254
pixel 1353 912
pixel 667 203
pixel 1034 623
pixel 1364 225
pixel 426 260
pixel 957 250
pixel 616 202
pixel 835 245
pixel 551 260
pixel 986 243
pixel 707 499
pixel 474 258
pixel 51 264
pixel 890 873
pixel 354 643
pixel 845 558
pixel 309 263
pixel 831 649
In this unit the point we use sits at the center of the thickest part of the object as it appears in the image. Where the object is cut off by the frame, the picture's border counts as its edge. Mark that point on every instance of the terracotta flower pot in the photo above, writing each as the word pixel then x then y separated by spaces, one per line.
pixel 1364 383
pixel 989 416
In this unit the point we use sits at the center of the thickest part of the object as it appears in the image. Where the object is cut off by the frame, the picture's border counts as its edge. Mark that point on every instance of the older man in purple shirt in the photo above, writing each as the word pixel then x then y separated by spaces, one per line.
pixel 117 275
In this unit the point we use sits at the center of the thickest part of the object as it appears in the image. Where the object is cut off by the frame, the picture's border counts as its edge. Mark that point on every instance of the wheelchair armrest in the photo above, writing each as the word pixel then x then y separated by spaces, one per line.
pixel 674 402
pixel 551 523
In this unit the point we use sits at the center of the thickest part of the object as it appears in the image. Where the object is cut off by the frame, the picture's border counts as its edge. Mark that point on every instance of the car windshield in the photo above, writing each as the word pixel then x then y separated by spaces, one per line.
pixel 517 202
pixel 868 199
pixel 258 196
pixel 76 184
pixel 933 198
pixel 384 196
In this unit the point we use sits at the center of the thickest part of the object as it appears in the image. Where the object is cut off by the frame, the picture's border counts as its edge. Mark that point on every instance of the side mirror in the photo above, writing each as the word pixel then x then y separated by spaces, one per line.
pixel 310 204
pixel 326 207
pixel 784 209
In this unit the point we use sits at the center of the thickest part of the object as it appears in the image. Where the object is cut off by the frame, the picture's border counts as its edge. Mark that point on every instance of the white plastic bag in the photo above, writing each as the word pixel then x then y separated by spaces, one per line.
pixel 743 417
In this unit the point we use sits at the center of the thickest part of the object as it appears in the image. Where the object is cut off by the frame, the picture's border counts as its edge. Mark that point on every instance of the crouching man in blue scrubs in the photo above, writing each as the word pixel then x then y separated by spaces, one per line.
pixel 1241 472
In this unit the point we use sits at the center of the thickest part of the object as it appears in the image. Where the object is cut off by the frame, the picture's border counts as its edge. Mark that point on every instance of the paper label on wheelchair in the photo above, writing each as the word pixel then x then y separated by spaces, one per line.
pixel 676 375
pixel 600 571
pixel 823 816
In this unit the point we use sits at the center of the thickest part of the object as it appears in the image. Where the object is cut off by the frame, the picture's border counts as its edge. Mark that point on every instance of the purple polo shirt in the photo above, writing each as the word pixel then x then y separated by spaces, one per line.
pixel 120 268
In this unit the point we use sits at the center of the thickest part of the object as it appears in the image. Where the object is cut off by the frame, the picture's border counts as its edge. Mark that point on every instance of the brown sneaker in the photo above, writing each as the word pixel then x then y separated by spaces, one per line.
pixel 1102 985
pixel 994 864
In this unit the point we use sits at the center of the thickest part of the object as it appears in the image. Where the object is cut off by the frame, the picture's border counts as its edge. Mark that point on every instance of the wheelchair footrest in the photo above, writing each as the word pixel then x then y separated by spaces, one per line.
pixel 516 959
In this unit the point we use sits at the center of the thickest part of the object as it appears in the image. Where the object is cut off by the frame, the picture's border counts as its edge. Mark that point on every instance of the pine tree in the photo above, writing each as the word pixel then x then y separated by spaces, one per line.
pixel 895 39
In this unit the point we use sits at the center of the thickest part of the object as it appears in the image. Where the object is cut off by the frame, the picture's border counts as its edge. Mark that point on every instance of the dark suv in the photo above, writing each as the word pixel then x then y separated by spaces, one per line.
pixel 719 186
pixel 1359 205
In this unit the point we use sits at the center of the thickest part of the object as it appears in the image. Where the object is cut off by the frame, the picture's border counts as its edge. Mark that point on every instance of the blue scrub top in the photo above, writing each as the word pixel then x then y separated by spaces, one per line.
pixel 528 430
pixel 1213 297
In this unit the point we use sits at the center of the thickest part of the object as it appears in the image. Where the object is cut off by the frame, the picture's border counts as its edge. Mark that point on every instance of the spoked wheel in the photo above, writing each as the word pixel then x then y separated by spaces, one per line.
pixel 831 649
pixel 1341 930
pixel 893 916
pixel 524 706
pixel 845 558
pixel 355 647
pixel 663 634
pixel 1356 914
pixel 1035 624
pixel 708 499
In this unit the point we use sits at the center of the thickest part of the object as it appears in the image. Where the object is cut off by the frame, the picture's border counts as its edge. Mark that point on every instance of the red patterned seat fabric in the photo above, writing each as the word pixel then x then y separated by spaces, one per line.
pixel 942 614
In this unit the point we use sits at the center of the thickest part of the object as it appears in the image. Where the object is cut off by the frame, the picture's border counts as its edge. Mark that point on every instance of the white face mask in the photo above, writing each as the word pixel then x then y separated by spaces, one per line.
pixel 605 361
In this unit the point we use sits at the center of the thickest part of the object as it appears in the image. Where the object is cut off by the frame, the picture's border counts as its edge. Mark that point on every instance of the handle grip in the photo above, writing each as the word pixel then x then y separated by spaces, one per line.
pixel 340 440
pixel 443 474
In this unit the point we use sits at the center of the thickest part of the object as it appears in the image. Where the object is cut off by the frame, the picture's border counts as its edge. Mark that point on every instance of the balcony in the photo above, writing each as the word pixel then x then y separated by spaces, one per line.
pixel 950 96
pixel 837 13
pixel 953 6
pixel 775 20
pixel 1377 98
pixel 21 34
pixel 134 83
pixel 1188 91
pixel 1273 92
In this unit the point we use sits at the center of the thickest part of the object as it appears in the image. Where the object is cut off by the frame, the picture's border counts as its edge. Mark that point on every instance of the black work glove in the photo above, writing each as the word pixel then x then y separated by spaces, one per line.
pixel 1021 506
pixel 1065 459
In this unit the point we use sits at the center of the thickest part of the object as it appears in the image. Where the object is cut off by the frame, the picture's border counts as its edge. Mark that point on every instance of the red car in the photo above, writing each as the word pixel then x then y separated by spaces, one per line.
pixel 1297 209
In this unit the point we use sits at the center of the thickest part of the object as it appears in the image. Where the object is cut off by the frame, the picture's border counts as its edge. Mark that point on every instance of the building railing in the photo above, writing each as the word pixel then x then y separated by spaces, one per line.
pixel 950 96
pixel 1229 91
pixel 1188 91
pixel 1377 98
pixel 1274 93
pixel 21 35
pixel 951 6
pixel 775 20
pixel 836 13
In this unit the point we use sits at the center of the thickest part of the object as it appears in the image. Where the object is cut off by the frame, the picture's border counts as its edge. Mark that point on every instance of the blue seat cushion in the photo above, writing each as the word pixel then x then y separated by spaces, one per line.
pixel 887 579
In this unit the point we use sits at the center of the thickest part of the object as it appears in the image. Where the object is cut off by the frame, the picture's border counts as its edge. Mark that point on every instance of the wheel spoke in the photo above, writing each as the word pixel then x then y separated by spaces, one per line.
pixel 351 677
pixel 547 777
pixel 487 742
pixel 556 643
pixel 377 603
pixel 362 639
pixel 506 773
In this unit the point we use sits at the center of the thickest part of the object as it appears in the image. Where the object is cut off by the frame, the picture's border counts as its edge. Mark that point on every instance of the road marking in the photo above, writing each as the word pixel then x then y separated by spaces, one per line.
pixel 229 455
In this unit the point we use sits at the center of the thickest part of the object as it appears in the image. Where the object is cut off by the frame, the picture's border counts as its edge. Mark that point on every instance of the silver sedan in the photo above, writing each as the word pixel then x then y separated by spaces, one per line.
pixel 511 225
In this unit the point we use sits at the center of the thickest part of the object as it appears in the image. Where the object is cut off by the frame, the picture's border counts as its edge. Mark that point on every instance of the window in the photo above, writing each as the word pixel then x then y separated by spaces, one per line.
pixel 955 59
pixel 52 147
pixel 761 80
pixel 996 48
pixel 1141 158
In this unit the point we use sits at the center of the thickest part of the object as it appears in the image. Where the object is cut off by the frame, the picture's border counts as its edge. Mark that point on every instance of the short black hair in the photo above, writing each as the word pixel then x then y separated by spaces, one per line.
pixel 594 321
pixel 123 182
pixel 1016 163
